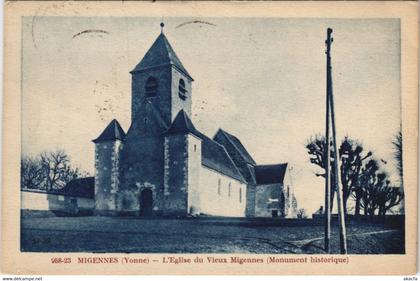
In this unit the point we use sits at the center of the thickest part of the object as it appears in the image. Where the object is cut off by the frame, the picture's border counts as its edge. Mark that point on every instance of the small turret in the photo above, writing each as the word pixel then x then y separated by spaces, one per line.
pixel 107 154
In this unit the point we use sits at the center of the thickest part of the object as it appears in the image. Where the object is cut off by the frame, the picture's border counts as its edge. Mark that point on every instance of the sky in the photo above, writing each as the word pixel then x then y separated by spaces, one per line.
pixel 261 79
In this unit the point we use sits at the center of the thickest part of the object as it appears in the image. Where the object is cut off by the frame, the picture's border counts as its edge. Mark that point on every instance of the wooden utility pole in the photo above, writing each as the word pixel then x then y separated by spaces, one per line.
pixel 337 176
pixel 327 208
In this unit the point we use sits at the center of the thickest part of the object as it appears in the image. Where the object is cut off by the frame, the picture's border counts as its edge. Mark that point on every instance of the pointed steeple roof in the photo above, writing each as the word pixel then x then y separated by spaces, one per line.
pixel 161 53
pixel 181 124
pixel 112 132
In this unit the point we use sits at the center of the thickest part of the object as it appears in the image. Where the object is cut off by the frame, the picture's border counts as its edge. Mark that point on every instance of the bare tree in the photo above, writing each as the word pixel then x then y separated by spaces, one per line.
pixel 377 192
pixel 366 186
pixel 32 175
pixel 352 160
pixel 56 166
pixel 387 196
pixel 352 157
pixel 316 147
pixel 398 154
pixel 301 213
pixel 398 148
pixel 361 177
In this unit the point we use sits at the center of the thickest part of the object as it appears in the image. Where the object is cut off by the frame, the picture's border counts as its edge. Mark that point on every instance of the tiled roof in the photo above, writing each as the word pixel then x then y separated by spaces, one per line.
pixel 238 154
pixel 239 147
pixel 161 53
pixel 213 154
pixel 147 111
pixel 112 132
pixel 268 174
pixel 81 187
pixel 181 124
pixel 215 157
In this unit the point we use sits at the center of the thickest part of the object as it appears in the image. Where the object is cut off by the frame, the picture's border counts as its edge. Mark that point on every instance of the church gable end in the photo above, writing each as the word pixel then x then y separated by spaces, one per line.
pixel 164 165
pixel 142 159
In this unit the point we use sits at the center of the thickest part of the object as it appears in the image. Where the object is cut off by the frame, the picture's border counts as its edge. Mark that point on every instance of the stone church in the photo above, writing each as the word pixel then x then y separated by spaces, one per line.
pixel 163 165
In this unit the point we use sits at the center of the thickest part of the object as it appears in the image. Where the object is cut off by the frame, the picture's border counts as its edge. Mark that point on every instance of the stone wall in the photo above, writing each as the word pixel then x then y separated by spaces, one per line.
pixel 176 175
pixel 290 208
pixel 269 198
pixel 215 198
pixel 167 100
pixel 162 101
pixel 244 168
pixel 106 176
pixel 194 168
pixel 250 200
pixel 141 167
pixel 42 201
pixel 34 201
pixel 177 103
pixel 142 162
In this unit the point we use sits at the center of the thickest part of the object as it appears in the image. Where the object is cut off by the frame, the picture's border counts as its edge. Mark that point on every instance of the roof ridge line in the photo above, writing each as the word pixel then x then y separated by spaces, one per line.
pixel 234 145
pixel 233 163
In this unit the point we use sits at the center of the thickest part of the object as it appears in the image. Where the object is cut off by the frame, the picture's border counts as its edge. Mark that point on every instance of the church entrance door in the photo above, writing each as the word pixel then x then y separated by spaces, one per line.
pixel 146 202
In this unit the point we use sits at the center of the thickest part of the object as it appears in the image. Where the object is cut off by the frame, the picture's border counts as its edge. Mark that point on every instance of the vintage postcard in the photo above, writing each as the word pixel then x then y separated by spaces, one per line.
pixel 210 138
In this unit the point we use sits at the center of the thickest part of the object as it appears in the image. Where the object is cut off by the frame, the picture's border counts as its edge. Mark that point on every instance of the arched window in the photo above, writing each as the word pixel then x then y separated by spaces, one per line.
pixel 240 195
pixel 229 190
pixel 151 87
pixel 218 187
pixel 182 91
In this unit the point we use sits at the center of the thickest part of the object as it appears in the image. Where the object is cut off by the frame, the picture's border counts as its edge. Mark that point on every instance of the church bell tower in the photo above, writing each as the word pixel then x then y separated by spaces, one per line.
pixel 161 79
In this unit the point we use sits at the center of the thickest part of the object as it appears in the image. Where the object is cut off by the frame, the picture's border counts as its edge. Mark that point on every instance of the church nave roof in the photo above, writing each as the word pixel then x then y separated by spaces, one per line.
pixel 269 174
pixel 214 155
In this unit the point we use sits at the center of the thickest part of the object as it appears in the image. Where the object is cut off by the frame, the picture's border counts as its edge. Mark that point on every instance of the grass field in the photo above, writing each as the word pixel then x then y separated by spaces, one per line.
pixel 210 235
